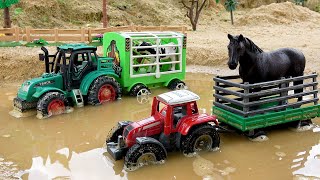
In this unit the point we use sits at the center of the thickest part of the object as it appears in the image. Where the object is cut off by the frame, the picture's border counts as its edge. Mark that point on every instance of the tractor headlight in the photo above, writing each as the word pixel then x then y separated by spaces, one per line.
pixel 25 86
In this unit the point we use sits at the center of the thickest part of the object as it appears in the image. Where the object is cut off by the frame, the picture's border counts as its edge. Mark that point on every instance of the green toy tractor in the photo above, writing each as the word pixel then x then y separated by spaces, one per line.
pixel 74 76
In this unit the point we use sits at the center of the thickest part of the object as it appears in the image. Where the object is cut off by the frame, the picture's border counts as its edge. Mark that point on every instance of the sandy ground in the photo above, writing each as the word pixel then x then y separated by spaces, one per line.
pixel 207 47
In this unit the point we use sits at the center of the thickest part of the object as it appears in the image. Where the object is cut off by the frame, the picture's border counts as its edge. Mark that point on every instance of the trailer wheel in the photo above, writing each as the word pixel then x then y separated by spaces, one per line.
pixel 102 90
pixel 52 103
pixel 176 84
pixel 140 90
pixel 143 154
pixel 201 138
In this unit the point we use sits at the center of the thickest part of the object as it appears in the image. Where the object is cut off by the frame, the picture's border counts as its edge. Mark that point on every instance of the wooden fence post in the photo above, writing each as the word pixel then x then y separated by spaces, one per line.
pixel 28 34
pixel 56 35
pixel 90 34
pixel 132 28
pixel 82 34
pixel 17 33
pixel 184 29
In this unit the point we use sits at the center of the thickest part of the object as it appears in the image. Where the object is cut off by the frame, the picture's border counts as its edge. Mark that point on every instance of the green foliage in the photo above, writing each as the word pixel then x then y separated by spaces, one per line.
pixel 300 2
pixel 61 1
pixel 7 3
pixel 41 42
pixel 231 5
pixel 9 44
pixel 18 11
pixel 317 8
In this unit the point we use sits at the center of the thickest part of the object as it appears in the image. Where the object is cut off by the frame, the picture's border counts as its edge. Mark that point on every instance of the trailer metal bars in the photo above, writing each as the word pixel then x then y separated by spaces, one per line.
pixel 241 99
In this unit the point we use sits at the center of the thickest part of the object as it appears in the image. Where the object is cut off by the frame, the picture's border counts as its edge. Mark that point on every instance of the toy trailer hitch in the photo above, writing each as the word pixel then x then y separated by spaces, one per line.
pixel 224 129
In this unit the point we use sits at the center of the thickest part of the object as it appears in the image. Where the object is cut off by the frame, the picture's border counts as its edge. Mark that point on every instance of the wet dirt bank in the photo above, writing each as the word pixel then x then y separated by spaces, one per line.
pixel 72 145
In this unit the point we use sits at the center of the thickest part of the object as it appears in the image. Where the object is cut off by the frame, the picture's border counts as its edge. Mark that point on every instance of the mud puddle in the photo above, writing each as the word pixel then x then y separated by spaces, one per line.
pixel 72 145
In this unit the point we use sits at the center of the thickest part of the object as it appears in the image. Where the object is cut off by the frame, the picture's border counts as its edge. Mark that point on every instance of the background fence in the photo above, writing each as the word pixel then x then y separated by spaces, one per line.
pixel 83 35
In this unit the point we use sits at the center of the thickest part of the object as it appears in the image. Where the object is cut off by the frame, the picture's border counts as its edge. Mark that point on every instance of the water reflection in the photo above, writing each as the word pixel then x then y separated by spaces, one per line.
pixel 311 166
pixel 86 165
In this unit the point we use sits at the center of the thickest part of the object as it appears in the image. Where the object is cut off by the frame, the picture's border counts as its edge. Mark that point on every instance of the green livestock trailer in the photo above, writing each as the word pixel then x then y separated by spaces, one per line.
pixel 144 60
pixel 250 107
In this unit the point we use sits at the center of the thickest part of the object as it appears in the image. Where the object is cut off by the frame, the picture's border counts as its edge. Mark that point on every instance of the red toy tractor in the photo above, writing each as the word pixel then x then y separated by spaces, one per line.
pixel 174 124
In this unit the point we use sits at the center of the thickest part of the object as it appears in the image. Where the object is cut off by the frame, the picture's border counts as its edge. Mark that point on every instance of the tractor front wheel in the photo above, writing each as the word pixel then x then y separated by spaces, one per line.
pixel 115 132
pixel 201 138
pixel 143 154
pixel 52 103
pixel 103 89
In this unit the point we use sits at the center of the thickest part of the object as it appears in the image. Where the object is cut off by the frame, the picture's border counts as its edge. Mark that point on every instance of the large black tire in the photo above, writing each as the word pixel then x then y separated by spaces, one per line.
pixel 143 154
pixel 114 133
pixel 52 103
pixel 100 85
pixel 176 84
pixel 203 137
pixel 140 90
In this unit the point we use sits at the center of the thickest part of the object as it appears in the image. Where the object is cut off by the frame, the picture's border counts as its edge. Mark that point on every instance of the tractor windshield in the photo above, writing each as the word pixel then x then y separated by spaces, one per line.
pixel 63 58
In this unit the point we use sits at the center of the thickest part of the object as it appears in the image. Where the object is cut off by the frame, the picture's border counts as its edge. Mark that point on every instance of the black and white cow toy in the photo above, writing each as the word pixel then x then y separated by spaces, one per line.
pixel 163 50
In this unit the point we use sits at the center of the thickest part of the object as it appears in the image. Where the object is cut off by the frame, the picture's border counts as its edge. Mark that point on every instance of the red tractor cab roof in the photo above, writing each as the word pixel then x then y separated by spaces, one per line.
pixel 178 97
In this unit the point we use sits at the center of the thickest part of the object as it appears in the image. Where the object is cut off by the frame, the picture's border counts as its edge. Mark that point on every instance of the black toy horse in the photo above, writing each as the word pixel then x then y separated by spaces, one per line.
pixel 258 66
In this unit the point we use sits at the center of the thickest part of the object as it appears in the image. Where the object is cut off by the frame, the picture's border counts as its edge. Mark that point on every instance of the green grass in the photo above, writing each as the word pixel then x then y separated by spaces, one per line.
pixel 9 44
pixel 32 44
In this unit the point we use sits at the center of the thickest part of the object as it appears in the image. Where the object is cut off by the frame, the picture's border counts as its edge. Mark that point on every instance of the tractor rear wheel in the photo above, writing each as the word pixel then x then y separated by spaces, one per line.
pixel 201 138
pixel 103 89
pixel 176 84
pixel 143 154
pixel 52 103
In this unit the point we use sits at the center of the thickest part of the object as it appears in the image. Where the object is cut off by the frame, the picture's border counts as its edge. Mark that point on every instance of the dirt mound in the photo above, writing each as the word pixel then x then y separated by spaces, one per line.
pixel 278 13
pixel 75 13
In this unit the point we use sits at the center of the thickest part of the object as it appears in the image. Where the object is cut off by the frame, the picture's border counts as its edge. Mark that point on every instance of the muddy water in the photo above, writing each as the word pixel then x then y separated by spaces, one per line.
pixel 71 146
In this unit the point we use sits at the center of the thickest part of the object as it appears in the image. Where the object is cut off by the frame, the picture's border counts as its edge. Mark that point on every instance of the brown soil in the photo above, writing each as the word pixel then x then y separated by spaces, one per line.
pixel 286 13
pixel 207 46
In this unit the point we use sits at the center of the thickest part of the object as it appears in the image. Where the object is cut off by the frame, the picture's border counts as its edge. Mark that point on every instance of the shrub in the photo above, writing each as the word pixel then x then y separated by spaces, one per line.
pixel 40 42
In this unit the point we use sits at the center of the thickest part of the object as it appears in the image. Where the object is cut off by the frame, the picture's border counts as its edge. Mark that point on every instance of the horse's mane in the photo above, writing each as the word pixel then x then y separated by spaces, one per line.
pixel 253 47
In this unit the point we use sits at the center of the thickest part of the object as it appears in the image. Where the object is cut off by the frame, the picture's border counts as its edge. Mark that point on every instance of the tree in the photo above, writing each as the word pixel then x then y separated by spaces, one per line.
pixel 104 13
pixel 5 4
pixel 194 8
pixel 231 6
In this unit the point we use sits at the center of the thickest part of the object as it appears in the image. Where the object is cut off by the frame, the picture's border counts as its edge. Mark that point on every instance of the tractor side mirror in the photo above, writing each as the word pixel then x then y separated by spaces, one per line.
pixel 41 57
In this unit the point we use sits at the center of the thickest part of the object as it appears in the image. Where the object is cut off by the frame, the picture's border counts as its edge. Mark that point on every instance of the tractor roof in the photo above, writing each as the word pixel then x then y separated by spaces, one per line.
pixel 75 47
pixel 178 97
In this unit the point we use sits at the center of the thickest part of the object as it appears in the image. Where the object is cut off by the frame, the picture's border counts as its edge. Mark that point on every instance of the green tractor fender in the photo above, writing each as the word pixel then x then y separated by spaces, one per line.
pixel 86 82
pixel 42 90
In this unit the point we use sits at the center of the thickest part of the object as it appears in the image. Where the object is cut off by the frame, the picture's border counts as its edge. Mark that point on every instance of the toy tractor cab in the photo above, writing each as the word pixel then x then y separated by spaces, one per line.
pixel 73 63
pixel 174 124
pixel 74 75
